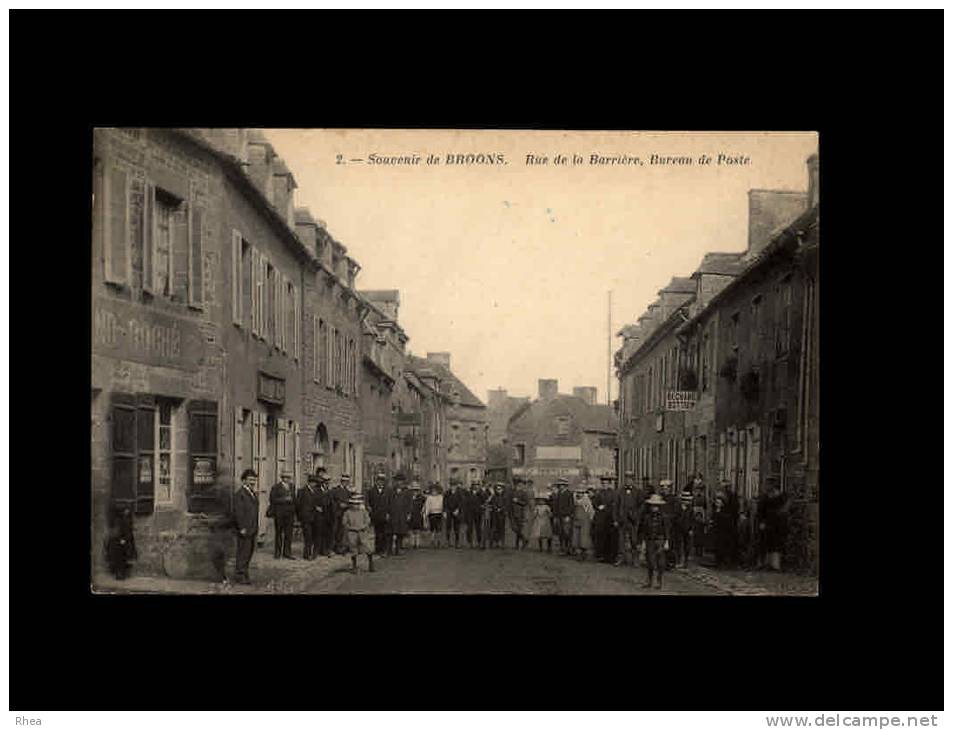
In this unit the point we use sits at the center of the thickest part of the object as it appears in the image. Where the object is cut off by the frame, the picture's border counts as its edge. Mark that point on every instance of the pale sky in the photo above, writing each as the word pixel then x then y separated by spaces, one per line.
pixel 509 267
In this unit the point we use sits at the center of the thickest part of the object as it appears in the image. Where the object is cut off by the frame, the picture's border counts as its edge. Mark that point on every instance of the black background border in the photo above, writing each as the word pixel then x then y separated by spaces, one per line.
pixel 869 82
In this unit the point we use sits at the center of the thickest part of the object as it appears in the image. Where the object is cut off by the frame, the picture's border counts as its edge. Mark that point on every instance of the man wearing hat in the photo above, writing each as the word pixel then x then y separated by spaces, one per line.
pixel 245 512
pixel 654 532
pixel 627 517
pixel 518 502
pixel 325 508
pixel 472 513
pixel 357 526
pixel 453 509
pixel 378 500
pixel 398 514
pixel 684 525
pixel 309 516
pixel 281 507
pixel 417 502
pixel 498 515
pixel 339 496
pixel 565 509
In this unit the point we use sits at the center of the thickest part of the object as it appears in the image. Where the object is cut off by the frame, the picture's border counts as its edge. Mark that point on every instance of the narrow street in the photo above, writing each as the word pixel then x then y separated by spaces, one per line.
pixel 505 571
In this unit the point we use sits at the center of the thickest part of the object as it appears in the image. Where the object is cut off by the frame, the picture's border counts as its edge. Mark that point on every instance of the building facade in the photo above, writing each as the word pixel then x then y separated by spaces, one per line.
pixel 227 333
pixel 558 435
pixel 737 400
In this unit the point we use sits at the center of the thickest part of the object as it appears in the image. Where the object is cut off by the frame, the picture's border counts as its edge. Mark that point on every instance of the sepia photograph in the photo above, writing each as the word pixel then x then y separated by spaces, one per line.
pixel 454 361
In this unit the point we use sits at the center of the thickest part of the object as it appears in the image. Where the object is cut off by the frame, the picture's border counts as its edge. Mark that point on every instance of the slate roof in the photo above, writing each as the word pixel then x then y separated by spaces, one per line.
pixel 422 366
pixel 600 418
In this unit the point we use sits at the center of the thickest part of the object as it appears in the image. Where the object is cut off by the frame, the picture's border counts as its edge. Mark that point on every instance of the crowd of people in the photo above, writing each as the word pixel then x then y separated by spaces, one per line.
pixel 648 525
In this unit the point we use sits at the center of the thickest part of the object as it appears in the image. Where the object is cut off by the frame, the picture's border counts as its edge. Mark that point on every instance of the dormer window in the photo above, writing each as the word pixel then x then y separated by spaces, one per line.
pixel 562 425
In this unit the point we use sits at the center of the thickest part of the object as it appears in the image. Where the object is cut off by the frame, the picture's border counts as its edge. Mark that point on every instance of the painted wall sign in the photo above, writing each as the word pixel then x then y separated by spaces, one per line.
pixel 137 333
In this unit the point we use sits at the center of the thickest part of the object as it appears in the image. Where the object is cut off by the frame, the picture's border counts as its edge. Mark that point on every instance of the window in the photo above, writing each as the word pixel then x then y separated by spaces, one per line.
pixel 263 297
pixel 782 337
pixel 326 339
pixel 317 332
pixel 706 360
pixel 143 449
pixel 520 455
pixel 163 450
pixel 203 452
pixel 756 325
pixel 562 425
pixel 115 226
pixel 162 246
pixel 255 293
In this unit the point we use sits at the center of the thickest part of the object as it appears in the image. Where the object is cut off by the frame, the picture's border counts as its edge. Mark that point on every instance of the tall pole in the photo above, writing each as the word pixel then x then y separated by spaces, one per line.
pixel 609 353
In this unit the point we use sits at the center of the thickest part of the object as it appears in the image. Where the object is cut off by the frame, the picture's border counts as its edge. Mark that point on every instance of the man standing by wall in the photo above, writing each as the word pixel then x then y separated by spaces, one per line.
pixel 246 523
pixel 281 508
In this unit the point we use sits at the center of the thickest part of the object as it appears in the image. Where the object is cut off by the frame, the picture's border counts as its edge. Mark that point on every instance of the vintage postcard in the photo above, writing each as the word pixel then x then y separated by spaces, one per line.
pixel 454 361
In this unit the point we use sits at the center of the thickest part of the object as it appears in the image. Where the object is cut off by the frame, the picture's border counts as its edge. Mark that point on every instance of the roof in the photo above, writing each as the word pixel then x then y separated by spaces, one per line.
pixel 598 418
pixel 303 216
pixel 806 220
pixel 381 295
pixel 256 136
pixel 680 285
pixel 723 264
pixel 423 367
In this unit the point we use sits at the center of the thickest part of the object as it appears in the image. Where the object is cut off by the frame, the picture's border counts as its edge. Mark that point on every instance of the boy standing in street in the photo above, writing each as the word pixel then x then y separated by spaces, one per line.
pixel 357 525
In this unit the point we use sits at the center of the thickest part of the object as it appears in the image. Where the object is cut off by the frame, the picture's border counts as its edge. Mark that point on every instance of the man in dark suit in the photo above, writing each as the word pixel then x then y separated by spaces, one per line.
pixel 324 506
pixel 473 514
pixel 281 507
pixel 308 516
pixel 378 502
pixel 340 496
pixel 453 510
pixel 627 516
pixel 565 509
pixel 245 509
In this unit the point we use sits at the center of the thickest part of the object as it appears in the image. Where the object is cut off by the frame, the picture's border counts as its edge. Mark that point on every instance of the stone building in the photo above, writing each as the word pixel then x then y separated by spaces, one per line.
pixel 500 406
pixel 559 435
pixel 227 334
pixel 463 435
pixel 737 397
pixel 383 366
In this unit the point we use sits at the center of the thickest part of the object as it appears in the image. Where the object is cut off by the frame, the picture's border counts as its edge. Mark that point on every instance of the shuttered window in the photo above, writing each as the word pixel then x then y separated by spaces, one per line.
pixel 255 293
pixel 315 349
pixel 116 259
pixel 295 337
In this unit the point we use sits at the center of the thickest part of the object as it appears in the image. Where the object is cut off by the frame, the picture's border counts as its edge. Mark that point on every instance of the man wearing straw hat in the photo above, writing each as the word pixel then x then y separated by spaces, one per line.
pixel 655 532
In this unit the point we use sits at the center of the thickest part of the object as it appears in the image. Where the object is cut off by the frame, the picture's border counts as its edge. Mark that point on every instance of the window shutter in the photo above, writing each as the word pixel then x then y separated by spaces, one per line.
pixel 124 463
pixel 263 297
pixel 196 261
pixel 236 277
pixel 239 462
pixel 255 444
pixel 255 301
pixel 148 236
pixel 180 254
pixel 282 295
pixel 294 322
pixel 116 229
pixel 146 476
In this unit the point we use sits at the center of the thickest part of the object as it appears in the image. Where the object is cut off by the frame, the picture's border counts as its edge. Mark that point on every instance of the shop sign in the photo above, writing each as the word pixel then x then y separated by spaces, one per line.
pixel 134 332
pixel 681 400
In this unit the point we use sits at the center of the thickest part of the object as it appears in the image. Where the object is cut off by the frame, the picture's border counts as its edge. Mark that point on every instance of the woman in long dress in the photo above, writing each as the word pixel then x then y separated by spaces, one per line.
pixel 582 524
pixel 541 527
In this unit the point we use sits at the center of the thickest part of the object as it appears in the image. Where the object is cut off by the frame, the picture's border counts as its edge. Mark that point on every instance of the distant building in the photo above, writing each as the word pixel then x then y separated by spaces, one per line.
pixel 562 436
pixel 464 418
pixel 500 407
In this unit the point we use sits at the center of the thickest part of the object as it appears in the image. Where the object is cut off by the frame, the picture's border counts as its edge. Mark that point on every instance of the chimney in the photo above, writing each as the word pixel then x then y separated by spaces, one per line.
pixel 441 358
pixel 548 389
pixel 813 180
pixel 588 393
pixel 306 228
pixel 768 212
pixel 283 187
pixel 496 399
pixel 261 160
